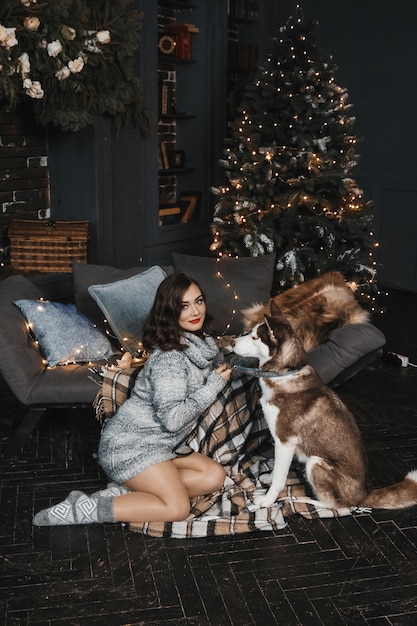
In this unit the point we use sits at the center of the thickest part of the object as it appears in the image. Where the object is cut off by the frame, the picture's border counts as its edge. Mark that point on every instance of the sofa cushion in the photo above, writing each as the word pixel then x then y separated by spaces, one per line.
pixel 87 274
pixel 230 284
pixel 344 348
pixel 126 303
pixel 63 333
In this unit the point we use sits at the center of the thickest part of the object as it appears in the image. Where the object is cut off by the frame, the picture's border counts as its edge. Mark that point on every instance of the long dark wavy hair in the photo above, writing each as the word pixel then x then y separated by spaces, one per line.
pixel 161 328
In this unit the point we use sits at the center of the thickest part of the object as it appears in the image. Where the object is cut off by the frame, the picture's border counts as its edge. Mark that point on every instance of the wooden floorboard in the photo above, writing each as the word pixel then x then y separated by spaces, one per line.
pixel 353 570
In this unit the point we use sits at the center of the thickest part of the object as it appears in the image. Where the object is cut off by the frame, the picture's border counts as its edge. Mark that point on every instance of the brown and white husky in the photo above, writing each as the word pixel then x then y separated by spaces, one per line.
pixel 308 420
pixel 314 308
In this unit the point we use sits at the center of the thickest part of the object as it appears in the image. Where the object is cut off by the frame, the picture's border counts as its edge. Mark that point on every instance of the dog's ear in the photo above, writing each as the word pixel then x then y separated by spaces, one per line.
pixel 269 323
pixel 275 309
pixel 277 317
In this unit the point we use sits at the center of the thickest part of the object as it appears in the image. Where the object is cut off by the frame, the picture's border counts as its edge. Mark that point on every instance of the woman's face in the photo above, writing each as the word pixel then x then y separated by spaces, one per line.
pixel 193 311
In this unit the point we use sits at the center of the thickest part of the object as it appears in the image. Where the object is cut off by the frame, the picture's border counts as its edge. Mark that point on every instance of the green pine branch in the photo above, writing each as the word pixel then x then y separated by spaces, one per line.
pixel 72 59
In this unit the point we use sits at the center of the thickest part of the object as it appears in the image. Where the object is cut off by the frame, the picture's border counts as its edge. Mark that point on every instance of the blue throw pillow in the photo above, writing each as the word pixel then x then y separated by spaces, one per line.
pixel 126 304
pixel 64 335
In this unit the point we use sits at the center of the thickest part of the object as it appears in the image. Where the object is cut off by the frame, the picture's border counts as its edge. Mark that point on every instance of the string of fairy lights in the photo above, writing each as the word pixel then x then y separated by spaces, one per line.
pixel 127 359
pixel 235 296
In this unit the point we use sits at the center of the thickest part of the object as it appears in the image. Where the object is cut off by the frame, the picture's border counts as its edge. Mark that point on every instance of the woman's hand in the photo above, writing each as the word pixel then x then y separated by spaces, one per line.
pixel 225 371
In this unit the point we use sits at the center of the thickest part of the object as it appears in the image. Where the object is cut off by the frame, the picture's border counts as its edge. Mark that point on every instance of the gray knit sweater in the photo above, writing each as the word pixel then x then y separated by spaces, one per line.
pixel 172 391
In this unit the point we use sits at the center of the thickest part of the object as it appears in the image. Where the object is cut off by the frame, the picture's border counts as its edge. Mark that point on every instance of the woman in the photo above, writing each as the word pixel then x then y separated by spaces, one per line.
pixel 140 447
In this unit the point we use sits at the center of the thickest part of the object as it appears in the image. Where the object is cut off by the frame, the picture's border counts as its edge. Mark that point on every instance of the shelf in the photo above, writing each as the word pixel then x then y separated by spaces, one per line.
pixel 173 171
pixel 170 58
pixel 244 11
pixel 177 4
pixel 242 20
pixel 176 116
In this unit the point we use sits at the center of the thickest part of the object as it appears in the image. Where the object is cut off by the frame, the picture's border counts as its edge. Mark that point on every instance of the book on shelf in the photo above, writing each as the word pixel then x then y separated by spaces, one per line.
pixel 172 211
pixel 169 210
pixel 191 201
pixel 167 98
pixel 169 214
pixel 242 56
pixel 243 9
pixel 164 155
pixel 189 212
pixel 192 28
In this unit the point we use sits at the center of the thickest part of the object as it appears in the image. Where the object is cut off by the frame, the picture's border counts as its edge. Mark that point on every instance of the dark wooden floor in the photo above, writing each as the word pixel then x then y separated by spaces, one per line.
pixel 352 570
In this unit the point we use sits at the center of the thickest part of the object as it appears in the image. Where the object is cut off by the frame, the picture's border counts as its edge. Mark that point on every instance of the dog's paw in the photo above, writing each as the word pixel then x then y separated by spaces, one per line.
pixel 265 479
pixel 264 500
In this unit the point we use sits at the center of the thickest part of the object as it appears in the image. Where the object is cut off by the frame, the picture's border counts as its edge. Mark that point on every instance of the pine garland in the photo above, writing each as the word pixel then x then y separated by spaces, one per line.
pixel 73 59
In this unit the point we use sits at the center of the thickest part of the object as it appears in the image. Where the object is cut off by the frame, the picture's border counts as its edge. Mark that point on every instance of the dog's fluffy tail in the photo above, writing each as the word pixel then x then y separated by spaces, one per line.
pixel 397 496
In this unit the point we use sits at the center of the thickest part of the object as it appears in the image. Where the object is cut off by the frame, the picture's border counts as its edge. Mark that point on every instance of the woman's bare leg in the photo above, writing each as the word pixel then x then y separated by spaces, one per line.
pixel 200 474
pixel 157 494
pixel 162 492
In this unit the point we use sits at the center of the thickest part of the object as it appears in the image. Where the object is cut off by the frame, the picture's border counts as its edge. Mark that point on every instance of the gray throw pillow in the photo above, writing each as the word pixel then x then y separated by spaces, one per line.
pixel 345 347
pixel 64 335
pixel 126 303
pixel 87 274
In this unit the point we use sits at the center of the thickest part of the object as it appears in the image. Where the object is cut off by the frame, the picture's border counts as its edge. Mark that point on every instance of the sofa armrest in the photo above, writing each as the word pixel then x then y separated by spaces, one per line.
pixel 21 363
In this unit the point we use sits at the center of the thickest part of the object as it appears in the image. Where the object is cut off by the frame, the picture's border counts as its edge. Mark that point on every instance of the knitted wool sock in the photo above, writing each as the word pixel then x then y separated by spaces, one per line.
pixel 112 489
pixel 77 508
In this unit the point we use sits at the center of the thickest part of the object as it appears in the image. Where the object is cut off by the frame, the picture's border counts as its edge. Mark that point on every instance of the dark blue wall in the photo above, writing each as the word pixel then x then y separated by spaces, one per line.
pixel 374 44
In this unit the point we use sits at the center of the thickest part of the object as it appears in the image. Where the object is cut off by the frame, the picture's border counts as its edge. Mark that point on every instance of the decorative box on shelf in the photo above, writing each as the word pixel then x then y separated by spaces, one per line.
pixel 47 245
pixel 177 40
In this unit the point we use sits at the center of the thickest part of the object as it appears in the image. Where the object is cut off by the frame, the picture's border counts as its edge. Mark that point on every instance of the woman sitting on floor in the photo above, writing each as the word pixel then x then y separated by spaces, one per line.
pixel 138 446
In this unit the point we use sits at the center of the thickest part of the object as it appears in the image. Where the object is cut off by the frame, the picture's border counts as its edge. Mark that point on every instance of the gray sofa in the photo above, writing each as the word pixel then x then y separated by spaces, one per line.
pixel 38 387
pixel 35 386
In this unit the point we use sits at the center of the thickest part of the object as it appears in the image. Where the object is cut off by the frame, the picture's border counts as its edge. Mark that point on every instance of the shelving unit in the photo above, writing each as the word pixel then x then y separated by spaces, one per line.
pixel 194 124
pixel 243 50
pixel 175 37
pixel 193 128
pixel 169 119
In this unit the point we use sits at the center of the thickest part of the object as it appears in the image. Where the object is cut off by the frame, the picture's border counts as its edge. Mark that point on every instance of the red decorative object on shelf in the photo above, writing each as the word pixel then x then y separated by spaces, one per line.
pixel 183 38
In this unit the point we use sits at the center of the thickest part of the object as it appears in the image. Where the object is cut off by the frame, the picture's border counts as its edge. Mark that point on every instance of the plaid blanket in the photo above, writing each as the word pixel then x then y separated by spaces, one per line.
pixel 234 433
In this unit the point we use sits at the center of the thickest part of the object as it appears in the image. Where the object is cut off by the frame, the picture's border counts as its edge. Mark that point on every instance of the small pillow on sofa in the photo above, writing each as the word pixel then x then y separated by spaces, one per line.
pixel 63 333
pixel 86 274
pixel 126 304
pixel 230 284
pixel 345 351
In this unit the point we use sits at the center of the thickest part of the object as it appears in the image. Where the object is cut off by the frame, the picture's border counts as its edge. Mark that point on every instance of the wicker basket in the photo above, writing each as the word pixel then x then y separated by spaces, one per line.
pixel 46 245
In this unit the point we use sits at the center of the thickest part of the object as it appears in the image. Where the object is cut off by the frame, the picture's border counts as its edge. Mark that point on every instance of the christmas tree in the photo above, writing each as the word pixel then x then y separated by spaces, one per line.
pixel 289 166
